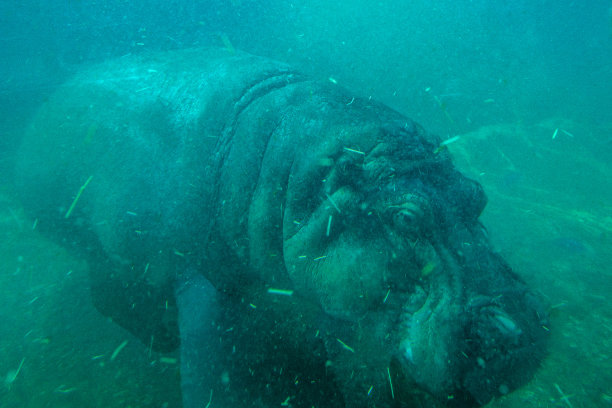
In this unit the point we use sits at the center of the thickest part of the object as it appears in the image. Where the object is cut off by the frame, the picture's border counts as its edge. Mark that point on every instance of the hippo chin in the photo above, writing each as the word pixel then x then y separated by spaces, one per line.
pixel 227 203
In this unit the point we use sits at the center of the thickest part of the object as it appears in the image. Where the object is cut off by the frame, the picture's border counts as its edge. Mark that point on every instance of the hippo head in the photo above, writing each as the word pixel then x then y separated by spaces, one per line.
pixel 383 232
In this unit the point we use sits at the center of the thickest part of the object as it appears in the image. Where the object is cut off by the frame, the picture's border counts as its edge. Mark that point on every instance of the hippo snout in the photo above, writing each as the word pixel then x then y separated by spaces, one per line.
pixel 470 333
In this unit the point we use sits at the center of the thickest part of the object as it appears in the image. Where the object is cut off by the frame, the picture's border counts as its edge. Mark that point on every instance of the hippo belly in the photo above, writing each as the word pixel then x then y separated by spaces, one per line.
pixel 226 202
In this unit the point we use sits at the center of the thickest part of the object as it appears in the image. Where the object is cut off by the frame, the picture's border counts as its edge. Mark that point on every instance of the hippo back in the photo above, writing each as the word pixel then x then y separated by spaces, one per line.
pixel 126 162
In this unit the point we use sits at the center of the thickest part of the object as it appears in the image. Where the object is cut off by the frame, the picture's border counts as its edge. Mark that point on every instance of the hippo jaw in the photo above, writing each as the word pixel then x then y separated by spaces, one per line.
pixel 473 343
pixel 426 345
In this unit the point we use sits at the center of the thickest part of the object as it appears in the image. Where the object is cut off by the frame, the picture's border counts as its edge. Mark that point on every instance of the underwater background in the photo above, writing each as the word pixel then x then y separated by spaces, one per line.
pixel 526 85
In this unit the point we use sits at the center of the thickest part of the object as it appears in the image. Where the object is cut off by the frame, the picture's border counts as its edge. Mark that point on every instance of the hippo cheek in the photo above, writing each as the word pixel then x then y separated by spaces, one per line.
pixel 337 256
pixel 345 277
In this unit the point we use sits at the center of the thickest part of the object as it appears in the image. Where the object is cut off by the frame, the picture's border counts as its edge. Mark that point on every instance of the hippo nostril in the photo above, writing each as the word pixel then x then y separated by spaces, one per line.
pixel 502 322
pixel 506 325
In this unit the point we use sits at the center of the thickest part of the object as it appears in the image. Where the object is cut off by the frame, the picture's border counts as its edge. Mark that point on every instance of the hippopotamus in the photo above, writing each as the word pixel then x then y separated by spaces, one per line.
pixel 300 244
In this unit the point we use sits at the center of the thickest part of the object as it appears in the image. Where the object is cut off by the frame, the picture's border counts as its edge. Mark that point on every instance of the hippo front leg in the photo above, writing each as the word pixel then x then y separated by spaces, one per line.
pixel 198 311
pixel 210 368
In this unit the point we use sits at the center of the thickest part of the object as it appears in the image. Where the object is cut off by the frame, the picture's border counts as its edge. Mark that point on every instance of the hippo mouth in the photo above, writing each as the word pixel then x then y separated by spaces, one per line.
pixel 461 346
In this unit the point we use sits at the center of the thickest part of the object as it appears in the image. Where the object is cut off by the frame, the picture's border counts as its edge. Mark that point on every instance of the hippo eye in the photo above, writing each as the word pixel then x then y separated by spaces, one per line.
pixel 410 216
pixel 407 218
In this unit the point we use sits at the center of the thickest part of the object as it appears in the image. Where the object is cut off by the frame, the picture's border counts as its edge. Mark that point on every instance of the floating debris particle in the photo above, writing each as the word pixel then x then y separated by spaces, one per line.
pixel 348 149
pixel 445 144
pixel 565 398
pixel 283 292
pixel 118 350
pixel 334 204
pixel 62 390
pixel 77 197
pixel 11 376
pixel 209 399
pixel 329 221
pixel 390 383
pixel 450 140
pixel 345 346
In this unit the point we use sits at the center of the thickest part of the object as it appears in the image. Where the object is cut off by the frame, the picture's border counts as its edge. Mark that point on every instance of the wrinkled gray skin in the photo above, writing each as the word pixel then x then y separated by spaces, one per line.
pixel 239 169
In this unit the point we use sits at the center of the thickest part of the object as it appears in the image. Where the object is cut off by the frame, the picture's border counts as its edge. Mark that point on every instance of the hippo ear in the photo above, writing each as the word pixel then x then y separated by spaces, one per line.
pixel 466 197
